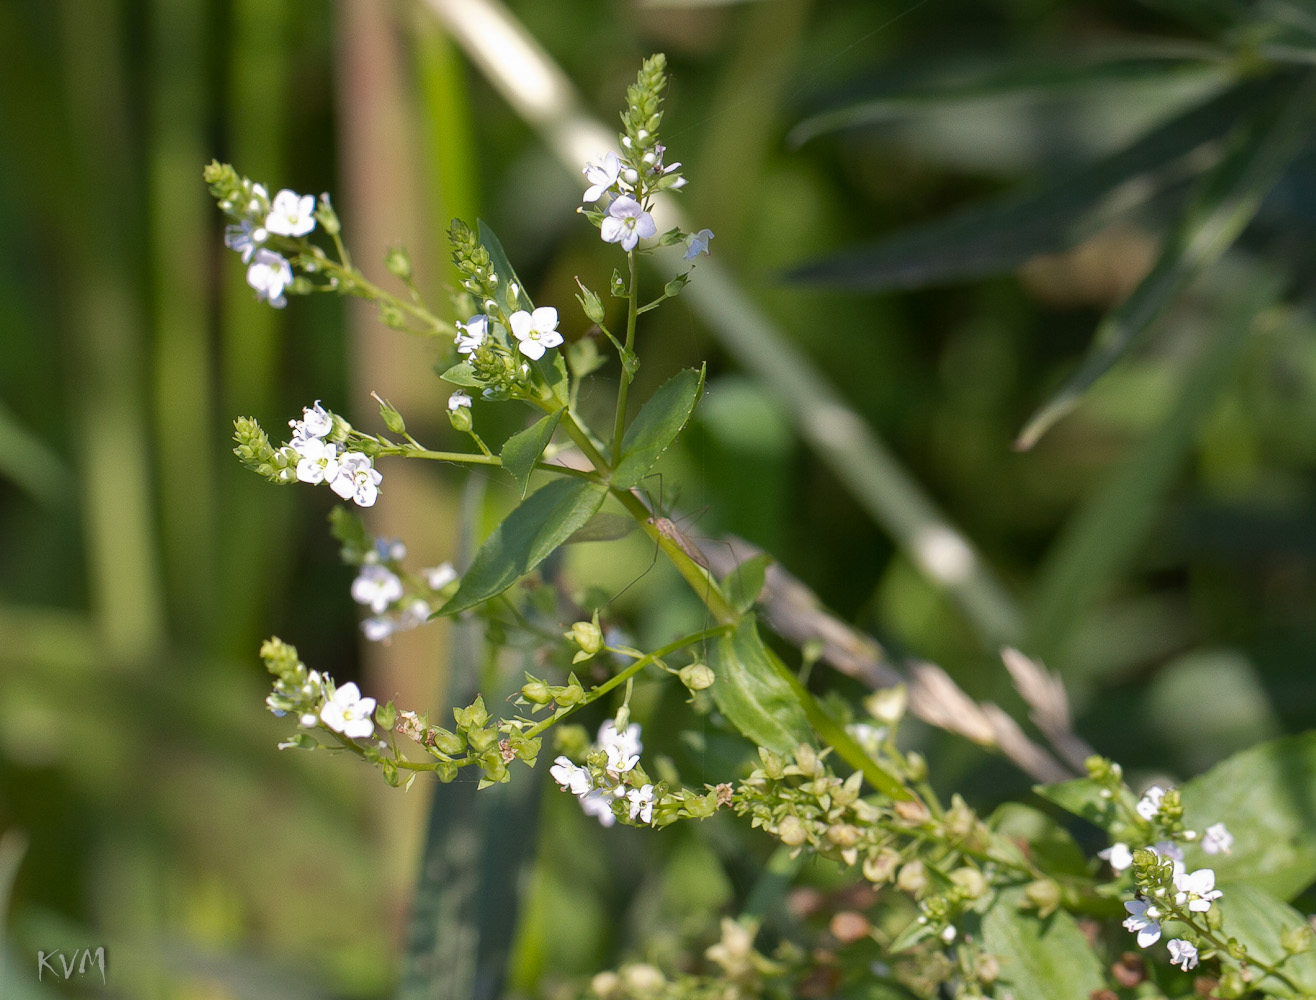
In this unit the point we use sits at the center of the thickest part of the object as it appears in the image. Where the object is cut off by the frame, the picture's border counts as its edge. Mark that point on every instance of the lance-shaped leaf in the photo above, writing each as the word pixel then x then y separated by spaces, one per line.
pixel 1259 921
pixel 551 367
pixel 1229 196
pixel 521 451
pixel 543 521
pixel 743 584
pixel 656 425
pixel 1002 234
pixel 1041 958
pixel 751 693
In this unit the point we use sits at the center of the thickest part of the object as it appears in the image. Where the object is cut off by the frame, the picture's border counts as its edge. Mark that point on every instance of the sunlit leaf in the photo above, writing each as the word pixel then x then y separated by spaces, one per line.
pixel 521 451
pixel 1041 958
pixel 1258 920
pixel 656 425
pixel 526 537
pixel 751 693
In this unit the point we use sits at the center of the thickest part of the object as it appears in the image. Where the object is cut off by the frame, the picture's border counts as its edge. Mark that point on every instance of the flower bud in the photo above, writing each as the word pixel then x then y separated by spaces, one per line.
pixel 697 676
pixel 460 417
pixel 536 692
pixel 588 636
pixel 391 417
pixel 327 217
pixel 386 714
pixel 398 263
pixel 969 881
pixel 791 831
pixel 590 303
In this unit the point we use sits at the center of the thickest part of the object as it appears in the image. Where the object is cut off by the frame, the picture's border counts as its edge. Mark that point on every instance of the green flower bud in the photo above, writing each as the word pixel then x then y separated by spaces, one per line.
pixel 327 217
pixel 445 772
pixel 588 636
pixel 590 303
pixel 398 263
pixel 969 881
pixel 697 676
pixel 568 694
pixel 481 740
pixel 391 417
pixel 536 691
pixel 390 314
pixel 386 715
pixel 791 831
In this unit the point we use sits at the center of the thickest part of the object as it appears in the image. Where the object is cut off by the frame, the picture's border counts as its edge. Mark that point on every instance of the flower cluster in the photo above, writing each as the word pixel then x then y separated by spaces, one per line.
pixel 379 586
pixel 609 776
pixel 314 698
pixel 258 217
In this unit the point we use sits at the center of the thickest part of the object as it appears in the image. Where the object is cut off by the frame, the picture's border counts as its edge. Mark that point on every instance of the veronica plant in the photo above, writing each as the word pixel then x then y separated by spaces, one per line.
pixel 1004 905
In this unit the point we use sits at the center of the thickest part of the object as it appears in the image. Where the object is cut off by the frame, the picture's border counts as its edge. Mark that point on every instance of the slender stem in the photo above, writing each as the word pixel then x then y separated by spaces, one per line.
pixel 467 458
pixel 632 311
pixel 580 436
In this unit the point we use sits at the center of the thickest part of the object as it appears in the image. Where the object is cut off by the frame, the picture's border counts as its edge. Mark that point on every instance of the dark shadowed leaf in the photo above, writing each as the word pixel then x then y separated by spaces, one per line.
pixel 744 583
pixel 1002 234
pixel 1228 197
pixel 1041 958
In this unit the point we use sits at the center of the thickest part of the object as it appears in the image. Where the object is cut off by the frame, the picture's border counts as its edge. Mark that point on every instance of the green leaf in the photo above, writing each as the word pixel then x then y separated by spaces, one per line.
pixel 1257 919
pixel 521 451
pixel 1049 845
pixel 526 537
pixel 1002 234
pixel 605 527
pixel 751 693
pixel 1041 959
pixel 1264 795
pixel 552 368
pixel 1014 79
pixel 656 425
pixel 743 584
pixel 462 374
pixel 1082 797
pixel 1259 149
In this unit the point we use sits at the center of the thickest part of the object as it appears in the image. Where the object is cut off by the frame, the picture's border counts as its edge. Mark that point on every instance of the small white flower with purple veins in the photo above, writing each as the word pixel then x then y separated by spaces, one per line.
pixel 641 803
pixel 602 176
pixel 599 803
pixel 1150 803
pixel 269 274
pixel 627 223
pixel 291 214
pixel 379 629
pixel 1144 920
pixel 1118 855
pixel 1217 840
pixel 536 331
pixel 697 244
pixel 316 422
pixel 318 462
pixel 457 400
pixel 356 479
pixel 571 776
pixel 1182 954
pixel 1196 889
pixel 348 713
pixel 245 237
pixel 471 334
pixel 627 743
pixel 376 586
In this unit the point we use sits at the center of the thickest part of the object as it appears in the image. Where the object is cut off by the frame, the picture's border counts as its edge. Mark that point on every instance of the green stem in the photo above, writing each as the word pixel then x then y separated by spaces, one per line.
pixel 632 311
pixel 467 458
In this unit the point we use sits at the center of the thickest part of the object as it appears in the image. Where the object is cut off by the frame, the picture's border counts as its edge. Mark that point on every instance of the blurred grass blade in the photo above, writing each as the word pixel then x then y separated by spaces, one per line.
pixel 1108 532
pixel 1227 199
pixel 29 464
pixel 1002 234
pixel 13 845
pixel 1021 80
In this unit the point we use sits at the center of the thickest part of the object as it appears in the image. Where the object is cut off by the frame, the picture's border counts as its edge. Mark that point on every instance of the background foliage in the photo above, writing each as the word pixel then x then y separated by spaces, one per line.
pixel 1155 547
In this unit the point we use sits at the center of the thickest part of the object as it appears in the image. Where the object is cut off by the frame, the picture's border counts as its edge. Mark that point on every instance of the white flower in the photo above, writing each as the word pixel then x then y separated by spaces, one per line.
pixel 599 803
pixel 948 933
pixel 356 479
pixel 1196 889
pixel 439 576
pixel 348 713
pixel 308 720
pixel 1217 840
pixel 601 176
pixel 627 743
pixel 641 800
pixel 571 776
pixel 316 422
pixel 698 243
pixel 536 331
pixel 627 223
pixel 472 334
pixel 244 237
pixel 1119 856
pixel 415 614
pixel 1144 920
pixel 291 214
pixel 619 762
pixel 1182 954
pixel 377 586
pixel 379 629
pixel 318 462
pixel 269 274
pixel 457 400
pixel 1150 803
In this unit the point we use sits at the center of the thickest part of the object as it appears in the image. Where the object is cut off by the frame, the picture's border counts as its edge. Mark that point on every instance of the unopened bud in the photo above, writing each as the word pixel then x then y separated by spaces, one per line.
pixel 588 636
pixel 590 303
pixel 791 831
pixel 391 417
pixel 697 676
pixel 398 263
pixel 536 692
